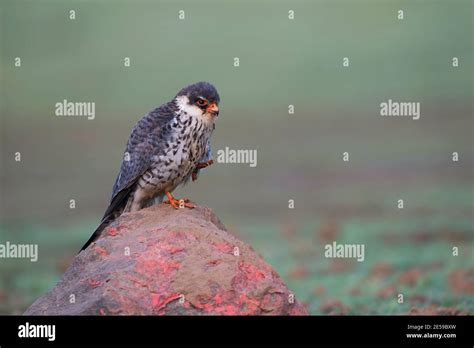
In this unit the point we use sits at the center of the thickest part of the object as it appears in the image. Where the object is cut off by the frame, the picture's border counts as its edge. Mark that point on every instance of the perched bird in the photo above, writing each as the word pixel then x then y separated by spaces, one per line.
pixel 167 147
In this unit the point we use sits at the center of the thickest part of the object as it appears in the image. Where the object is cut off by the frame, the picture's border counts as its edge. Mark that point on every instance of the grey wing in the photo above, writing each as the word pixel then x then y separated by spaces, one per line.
pixel 136 161
pixel 138 153
pixel 140 149
pixel 129 173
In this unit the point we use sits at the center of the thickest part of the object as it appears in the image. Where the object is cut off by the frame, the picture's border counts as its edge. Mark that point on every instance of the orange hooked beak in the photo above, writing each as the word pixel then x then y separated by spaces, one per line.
pixel 213 109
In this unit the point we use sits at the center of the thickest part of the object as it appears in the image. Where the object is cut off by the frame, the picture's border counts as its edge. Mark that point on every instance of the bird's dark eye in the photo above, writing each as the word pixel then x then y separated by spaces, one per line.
pixel 201 102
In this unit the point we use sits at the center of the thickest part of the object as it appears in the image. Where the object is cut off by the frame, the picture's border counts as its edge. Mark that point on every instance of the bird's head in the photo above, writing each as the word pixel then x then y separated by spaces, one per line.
pixel 199 100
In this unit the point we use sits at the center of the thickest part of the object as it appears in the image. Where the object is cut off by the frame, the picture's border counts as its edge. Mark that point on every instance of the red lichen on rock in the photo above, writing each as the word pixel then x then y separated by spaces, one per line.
pixel 101 251
pixel 159 303
pixel 158 265
pixel 93 283
pixel 213 263
pixel 112 231
pixel 224 247
pixel 250 271
pixel 181 262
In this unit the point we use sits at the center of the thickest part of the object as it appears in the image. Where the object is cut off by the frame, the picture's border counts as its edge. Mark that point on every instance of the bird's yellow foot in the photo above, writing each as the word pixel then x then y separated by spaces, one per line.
pixel 179 203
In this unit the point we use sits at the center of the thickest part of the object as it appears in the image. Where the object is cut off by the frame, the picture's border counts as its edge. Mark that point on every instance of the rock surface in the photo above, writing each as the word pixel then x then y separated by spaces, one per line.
pixel 161 261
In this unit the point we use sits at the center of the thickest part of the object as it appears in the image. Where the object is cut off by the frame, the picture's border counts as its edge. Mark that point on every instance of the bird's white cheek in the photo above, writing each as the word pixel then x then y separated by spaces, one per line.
pixel 195 112
pixel 192 110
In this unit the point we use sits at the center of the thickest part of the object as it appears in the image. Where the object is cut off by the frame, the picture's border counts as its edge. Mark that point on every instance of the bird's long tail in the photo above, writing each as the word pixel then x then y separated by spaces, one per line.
pixel 104 223
pixel 115 209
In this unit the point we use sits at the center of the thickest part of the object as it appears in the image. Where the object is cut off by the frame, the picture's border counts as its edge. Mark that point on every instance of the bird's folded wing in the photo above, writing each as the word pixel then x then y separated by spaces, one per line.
pixel 141 147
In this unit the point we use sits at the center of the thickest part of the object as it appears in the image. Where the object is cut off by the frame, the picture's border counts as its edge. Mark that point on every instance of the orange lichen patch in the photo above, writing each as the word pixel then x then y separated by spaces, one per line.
pixel 224 247
pixel 227 303
pixel 93 283
pixel 180 235
pixel 191 258
pixel 138 282
pixel 218 299
pixel 213 263
pixel 251 304
pixel 207 306
pixel 159 303
pixel 161 265
pixel 112 231
pixel 461 281
pixel 174 250
pixel 170 248
pixel 229 309
pixel 101 251
pixel 168 266
pixel 250 271
pixel 272 301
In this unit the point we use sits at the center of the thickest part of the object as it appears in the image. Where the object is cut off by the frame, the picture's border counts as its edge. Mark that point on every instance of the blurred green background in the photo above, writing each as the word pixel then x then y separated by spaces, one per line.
pixel 282 62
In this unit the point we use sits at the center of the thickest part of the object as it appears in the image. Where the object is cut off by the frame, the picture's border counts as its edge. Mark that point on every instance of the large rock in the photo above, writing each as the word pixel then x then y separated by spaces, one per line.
pixel 161 261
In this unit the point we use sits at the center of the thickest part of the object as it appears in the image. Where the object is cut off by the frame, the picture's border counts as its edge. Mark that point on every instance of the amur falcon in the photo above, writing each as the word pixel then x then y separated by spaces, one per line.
pixel 166 148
